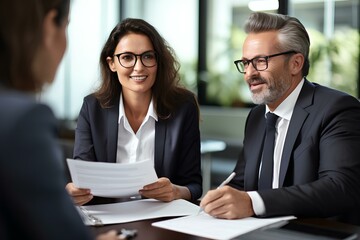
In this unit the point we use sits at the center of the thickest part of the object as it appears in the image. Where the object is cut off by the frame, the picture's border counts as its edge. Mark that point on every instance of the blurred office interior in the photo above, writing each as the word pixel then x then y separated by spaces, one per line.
pixel 207 37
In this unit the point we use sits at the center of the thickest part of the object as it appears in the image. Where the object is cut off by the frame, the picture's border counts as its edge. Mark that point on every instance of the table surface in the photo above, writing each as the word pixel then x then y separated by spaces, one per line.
pixel 147 232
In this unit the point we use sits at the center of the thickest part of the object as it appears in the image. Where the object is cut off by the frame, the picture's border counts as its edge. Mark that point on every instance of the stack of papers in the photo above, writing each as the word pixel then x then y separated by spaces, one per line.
pixel 112 180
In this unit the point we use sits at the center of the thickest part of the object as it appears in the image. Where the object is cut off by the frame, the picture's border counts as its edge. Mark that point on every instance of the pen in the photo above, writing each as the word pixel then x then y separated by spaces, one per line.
pixel 229 178
pixel 226 181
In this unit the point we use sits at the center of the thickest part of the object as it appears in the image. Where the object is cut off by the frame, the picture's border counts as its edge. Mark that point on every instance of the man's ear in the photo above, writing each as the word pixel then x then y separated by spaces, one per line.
pixel 50 28
pixel 296 63
pixel 111 64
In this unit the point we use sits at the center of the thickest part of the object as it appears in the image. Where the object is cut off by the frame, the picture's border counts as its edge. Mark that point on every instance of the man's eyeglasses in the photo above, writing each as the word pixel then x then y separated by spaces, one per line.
pixel 259 63
pixel 129 59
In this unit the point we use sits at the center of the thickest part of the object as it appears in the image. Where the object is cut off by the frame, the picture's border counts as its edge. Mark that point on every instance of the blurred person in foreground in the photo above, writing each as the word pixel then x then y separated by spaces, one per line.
pixel 33 202
pixel 141 112
pixel 315 166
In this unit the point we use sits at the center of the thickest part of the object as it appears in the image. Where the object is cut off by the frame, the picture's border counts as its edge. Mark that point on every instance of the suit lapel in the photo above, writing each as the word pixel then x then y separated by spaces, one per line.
pixel 160 136
pixel 255 136
pixel 297 120
pixel 112 131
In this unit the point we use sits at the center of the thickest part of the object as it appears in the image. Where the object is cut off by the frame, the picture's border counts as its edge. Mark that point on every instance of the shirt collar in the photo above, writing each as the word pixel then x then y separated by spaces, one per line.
pixel 150 113
pixel 286 108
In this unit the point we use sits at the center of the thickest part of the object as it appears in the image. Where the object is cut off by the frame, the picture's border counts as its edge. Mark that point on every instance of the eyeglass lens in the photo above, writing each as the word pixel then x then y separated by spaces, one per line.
pixel 259 63
pixel 128 60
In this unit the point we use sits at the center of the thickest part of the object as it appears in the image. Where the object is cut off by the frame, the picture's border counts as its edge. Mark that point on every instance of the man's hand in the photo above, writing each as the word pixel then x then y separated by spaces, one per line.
pixel 227 202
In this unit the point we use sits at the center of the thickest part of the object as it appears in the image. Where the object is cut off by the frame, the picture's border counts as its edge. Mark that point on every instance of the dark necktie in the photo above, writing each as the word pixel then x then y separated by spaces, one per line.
pixel 266 174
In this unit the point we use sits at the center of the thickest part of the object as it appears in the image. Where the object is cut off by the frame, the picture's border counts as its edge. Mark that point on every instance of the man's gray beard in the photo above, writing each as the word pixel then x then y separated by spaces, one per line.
pixel 259 98
pixel 271 94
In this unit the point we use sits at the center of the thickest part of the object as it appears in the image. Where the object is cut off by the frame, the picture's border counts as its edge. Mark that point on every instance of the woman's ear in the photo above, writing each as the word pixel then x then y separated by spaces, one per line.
pixel 111 64
pixel 296 63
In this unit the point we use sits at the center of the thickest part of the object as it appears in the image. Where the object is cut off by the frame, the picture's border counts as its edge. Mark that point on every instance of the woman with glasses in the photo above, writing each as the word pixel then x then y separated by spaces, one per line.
pixel 140 112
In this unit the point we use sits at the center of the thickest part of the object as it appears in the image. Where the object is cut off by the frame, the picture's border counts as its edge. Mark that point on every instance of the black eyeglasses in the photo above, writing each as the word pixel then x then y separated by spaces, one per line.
pixel 259 63
pixel 129 59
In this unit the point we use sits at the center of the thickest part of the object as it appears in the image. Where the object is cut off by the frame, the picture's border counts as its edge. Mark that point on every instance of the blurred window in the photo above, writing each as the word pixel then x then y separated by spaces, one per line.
pixel 79 73
pixel 334 35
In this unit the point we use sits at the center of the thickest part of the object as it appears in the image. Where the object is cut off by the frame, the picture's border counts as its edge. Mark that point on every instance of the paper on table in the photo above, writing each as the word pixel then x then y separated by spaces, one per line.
pixel 204 225
pixel 112 179
pixel 139 210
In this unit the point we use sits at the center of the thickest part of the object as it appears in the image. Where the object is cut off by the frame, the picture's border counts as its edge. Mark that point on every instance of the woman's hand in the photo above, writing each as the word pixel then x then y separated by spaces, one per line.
pixel 165 191
pixel 79 195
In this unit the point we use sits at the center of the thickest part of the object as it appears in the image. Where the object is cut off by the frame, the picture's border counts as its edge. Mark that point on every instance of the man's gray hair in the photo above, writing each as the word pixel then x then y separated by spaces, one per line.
pixel 292 34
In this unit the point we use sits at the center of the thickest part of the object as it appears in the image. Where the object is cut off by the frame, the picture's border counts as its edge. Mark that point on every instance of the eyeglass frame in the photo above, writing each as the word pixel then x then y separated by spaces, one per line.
pixel 266 58
pixel 136 58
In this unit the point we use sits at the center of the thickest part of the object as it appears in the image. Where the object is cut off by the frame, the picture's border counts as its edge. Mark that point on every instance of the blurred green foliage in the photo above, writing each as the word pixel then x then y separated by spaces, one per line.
pixel 335 62
pixel 227 87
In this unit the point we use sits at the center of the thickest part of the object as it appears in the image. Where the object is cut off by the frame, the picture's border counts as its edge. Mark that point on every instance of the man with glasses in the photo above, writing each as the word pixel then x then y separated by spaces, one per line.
pixel 306 163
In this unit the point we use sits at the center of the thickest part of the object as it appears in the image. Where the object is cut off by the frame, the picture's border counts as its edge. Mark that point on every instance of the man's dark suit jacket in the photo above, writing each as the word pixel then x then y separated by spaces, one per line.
pixel 320 164
pixel 177 141
pixel 34 203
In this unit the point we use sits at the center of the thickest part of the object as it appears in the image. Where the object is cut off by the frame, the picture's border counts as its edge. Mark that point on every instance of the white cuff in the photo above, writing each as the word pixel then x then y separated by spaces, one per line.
pixel 257 203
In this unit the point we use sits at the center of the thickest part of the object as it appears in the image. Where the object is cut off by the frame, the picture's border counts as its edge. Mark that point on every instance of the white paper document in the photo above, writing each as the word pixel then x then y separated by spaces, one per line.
pixel 136 210
pixel 113 180
pixel 204 225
